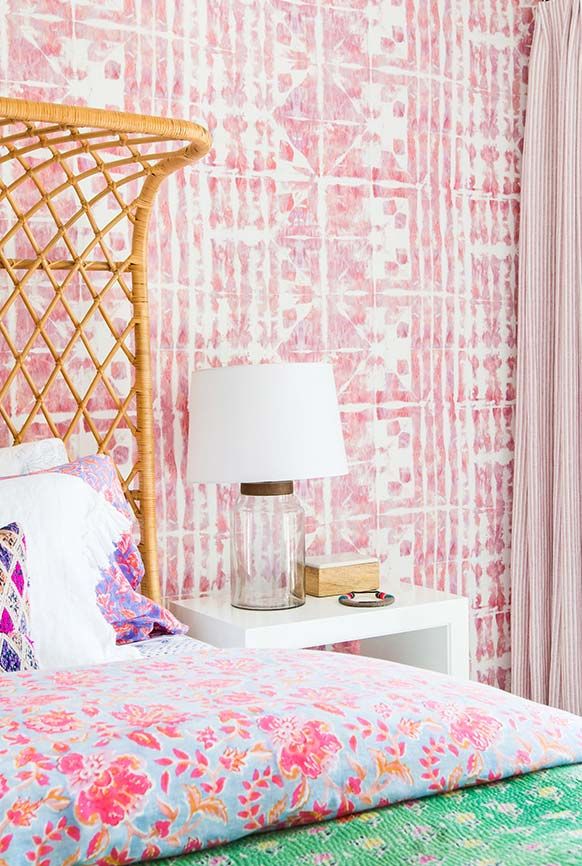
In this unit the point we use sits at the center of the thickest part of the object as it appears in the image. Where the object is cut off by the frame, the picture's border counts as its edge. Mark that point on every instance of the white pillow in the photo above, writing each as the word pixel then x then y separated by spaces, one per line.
pixel 70 534
pixel 32 457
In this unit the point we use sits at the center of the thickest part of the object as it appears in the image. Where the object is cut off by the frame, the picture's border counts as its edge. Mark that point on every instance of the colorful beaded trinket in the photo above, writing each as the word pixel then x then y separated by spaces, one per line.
pixel 378 599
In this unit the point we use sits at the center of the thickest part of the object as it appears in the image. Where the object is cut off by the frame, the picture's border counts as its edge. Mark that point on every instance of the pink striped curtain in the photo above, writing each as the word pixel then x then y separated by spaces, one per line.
pixel 547 507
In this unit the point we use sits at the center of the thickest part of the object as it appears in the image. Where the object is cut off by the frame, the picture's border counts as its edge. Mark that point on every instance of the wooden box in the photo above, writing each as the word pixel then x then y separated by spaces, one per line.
pixel 339 573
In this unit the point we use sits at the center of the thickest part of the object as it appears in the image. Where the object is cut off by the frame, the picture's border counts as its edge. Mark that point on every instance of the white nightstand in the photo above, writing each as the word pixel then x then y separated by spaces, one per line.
pixel 425 628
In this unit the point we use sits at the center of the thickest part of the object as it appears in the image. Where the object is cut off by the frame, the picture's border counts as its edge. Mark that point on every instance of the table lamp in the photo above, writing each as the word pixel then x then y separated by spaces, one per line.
pixel 264 426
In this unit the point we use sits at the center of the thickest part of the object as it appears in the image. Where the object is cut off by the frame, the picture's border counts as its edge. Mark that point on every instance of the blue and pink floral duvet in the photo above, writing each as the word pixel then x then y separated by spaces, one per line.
pixel 174 753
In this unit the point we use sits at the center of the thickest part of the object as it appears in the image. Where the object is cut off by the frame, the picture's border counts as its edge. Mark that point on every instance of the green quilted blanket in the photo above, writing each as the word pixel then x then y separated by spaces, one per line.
pixel 533 820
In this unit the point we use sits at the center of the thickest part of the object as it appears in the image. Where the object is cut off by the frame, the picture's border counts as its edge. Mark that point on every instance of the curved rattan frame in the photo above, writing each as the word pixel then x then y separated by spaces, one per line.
pixel 119 153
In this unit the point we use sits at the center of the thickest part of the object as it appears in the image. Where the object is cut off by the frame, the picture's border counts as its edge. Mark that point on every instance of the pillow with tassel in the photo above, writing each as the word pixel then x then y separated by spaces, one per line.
pixel 16 646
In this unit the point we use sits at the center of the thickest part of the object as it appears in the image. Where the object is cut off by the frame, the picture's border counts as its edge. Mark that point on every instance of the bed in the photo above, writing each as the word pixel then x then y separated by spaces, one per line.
pixel 174 749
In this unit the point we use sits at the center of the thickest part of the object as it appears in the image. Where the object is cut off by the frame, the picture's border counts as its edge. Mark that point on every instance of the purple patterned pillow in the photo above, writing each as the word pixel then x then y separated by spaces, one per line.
pixel 16 647
pixel 99 472
pixel 133 616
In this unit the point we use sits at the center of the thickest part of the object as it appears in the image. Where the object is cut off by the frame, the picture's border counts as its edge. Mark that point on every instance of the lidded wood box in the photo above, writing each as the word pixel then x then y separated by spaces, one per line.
pixel 338 573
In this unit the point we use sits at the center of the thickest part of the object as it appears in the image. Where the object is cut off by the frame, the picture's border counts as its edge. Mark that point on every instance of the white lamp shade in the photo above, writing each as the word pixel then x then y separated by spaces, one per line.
pixel 266 422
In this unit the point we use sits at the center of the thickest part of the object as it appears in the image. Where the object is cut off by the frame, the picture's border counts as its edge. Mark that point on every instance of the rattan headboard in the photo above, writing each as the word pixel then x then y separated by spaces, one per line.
pixel 76 191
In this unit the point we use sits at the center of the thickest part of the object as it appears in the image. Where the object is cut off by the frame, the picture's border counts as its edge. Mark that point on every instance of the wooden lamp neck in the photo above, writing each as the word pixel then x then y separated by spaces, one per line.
pixel 267 488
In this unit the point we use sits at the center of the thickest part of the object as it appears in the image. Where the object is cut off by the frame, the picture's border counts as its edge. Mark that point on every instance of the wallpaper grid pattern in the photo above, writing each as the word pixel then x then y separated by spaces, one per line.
pixel 360 206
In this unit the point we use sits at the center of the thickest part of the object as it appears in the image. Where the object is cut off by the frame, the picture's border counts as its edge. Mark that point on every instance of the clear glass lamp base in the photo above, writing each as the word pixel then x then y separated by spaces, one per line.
pixel 267 548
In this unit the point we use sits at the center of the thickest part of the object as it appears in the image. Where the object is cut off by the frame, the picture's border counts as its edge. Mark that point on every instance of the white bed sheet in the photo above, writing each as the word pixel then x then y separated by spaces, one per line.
pixel 168 645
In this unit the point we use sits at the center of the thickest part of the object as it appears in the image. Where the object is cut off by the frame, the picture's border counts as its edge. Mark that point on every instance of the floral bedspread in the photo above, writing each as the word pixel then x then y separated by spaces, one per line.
pixel 117 764
pixel 532 820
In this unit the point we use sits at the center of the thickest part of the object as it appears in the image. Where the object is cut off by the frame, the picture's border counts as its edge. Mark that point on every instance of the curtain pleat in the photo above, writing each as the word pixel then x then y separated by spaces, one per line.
pixel 546 562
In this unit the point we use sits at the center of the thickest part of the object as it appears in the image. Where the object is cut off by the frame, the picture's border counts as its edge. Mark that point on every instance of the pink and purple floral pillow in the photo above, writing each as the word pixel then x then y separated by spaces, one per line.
pixel 99 472
pixel 16 646
pixel 133 616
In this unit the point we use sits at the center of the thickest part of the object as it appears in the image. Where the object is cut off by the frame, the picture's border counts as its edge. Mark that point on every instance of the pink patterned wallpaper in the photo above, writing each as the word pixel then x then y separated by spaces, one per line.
pixel 360 206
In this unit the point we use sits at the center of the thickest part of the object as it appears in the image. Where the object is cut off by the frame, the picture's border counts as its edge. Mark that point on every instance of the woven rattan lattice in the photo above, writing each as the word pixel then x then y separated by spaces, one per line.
pixel 76 191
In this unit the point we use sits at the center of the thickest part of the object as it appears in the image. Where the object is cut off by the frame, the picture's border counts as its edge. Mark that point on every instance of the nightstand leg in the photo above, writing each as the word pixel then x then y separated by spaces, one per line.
pixel 458 648
pixel 443 648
